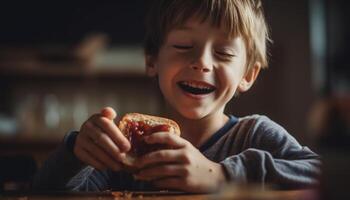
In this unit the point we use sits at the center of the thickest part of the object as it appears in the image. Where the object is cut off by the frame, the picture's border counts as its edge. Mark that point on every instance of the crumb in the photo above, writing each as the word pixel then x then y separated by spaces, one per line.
pixel 210 170
pixel 122 195
pixel 140 196
pixel 128 195
pixel 117 194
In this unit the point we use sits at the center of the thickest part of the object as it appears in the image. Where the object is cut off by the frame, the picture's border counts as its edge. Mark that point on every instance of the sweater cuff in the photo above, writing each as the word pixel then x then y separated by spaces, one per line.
pixel 68 148
pixel 69 140
pixel 235 171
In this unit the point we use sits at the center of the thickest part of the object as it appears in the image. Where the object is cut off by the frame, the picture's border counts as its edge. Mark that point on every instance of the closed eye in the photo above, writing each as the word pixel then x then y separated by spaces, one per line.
pixel 182 47
pixel 229 55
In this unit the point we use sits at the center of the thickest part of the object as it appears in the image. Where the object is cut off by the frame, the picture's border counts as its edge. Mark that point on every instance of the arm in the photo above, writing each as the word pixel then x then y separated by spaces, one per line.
pixel 99 145
pixel 63 171
pixel 273 156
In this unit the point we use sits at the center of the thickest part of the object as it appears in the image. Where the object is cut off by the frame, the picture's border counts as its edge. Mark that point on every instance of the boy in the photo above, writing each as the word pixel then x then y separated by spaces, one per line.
pixel 203 52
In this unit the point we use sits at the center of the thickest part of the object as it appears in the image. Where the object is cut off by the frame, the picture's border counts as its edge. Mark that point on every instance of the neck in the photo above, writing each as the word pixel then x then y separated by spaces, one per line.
pixel 198 131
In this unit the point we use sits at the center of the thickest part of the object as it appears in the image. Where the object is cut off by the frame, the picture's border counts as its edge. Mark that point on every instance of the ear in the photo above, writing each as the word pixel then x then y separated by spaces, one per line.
pixel 151 69
pixel 249 78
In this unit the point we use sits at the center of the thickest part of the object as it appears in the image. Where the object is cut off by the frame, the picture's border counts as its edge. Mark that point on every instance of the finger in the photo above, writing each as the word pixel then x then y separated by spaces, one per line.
pixel 101 155
pixel 109 112
pixel 88 159
pixel 162 156
pixel 167 138
pixel 174 183
pixel 162 171
pixel 97 136
pixel 109 127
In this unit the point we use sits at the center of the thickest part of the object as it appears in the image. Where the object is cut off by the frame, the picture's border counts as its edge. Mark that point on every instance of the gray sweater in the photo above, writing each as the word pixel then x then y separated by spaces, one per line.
pixel 252 149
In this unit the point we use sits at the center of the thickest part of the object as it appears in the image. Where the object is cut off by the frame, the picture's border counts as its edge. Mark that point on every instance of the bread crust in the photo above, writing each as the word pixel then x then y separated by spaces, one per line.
pixel 148 119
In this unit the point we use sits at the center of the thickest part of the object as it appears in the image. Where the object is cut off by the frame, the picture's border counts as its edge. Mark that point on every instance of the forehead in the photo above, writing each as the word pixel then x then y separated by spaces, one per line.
pixel 197 23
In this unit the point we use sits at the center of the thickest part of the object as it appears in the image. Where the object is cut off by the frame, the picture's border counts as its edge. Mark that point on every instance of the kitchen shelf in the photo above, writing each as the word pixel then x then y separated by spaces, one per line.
pixel 25 143
pixel 67 72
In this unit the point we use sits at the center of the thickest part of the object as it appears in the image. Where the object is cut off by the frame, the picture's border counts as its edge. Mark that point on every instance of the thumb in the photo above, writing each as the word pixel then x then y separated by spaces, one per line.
pixel 109 113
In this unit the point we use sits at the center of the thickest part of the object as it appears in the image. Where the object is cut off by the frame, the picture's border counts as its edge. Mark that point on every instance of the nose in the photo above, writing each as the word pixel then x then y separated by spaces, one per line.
pixel 203 69
pixel 203 61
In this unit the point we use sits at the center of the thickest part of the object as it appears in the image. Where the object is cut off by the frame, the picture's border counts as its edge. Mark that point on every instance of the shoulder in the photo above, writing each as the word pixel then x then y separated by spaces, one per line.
pixel 260 124
pixel 264 133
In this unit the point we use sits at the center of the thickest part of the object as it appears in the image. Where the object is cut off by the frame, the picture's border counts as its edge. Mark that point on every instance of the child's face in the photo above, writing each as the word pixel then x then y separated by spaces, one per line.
pixel 199 69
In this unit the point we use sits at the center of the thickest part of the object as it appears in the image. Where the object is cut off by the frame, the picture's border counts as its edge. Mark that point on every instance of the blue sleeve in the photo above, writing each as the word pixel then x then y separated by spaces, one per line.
pixel 273 157
pixel 63 171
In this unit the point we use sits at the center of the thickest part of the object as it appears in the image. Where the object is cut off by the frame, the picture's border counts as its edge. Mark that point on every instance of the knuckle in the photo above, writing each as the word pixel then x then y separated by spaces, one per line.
pixel 116 150
pixel 86 129
pixel 119 157
pixel 168 137
pixel 161 154
pixel 183 172
pixel 103 137
pixel 186 171
pixel 188 181
pixel 186 158
pixel 98 138
pixel 93 118
pixel 84 141
pixel 186 144
pixel 104 121
pixel 83 126
pixel 88 125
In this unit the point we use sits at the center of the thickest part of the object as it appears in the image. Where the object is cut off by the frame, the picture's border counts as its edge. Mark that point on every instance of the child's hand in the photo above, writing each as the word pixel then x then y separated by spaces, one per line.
pixel 182 168
pixel 100 142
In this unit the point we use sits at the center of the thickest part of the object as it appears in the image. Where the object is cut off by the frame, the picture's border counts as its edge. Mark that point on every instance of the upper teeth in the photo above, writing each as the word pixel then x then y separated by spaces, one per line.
pixel 196 85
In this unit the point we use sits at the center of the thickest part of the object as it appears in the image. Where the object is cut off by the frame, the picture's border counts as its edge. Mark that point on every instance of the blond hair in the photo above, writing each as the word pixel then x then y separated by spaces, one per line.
pixel 243 18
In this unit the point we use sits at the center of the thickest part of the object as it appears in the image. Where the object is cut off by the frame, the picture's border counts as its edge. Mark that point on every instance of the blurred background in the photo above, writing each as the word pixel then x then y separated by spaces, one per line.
pixel 62 61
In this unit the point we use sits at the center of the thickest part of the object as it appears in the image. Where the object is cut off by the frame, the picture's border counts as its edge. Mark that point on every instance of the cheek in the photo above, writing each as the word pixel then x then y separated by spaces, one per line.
pixel 227 78
pixel 233 74
pixel 170 65
pixel 167 71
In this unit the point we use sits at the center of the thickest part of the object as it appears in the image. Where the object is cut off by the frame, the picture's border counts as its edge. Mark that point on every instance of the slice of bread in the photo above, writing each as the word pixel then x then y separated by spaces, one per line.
pixel 149 120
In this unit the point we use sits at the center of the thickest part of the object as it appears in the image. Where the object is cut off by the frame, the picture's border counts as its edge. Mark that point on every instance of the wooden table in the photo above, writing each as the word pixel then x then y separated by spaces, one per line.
pixel 266 195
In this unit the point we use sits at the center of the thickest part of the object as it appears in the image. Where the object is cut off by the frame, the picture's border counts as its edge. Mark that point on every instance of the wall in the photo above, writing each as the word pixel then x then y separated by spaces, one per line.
pixel 284 92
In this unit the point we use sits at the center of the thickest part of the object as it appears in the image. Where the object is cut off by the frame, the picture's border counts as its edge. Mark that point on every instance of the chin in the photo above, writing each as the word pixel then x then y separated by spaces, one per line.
pixel 193 114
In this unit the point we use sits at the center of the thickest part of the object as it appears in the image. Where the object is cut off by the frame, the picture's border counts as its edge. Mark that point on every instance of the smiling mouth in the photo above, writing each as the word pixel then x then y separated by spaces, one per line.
pixel 196 88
